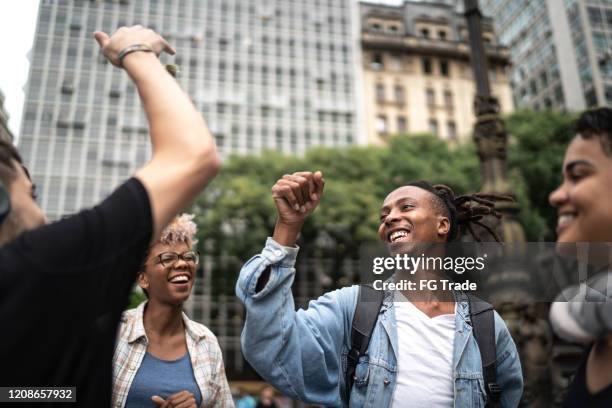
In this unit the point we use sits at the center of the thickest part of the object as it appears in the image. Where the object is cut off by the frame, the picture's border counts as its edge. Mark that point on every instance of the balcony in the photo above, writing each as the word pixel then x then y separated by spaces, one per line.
pixel 428 46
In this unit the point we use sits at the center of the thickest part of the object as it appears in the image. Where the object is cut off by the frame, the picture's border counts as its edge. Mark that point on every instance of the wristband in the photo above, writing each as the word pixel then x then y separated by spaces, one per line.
pixel 132 48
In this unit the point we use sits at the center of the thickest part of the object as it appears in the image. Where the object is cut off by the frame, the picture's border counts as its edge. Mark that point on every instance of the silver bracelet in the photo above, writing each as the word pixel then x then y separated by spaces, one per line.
pixel 132 48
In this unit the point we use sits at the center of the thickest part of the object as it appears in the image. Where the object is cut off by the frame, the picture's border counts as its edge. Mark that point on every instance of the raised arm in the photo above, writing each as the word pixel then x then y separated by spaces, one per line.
pixel 184 158
pixel 299 353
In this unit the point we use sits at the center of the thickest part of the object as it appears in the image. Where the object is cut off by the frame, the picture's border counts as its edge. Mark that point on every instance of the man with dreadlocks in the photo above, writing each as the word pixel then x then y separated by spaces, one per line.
pixel 422 351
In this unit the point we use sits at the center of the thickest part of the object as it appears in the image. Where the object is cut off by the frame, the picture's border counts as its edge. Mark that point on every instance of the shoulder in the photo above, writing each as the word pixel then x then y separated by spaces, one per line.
pixel 130 315
pixel 202 331
pixel 203 337
pixel 129 319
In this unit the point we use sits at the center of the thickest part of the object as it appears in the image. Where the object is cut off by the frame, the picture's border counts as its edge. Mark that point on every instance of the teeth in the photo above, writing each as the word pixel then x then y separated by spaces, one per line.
pixel 565 219
pixel 179 279
pixel 397 235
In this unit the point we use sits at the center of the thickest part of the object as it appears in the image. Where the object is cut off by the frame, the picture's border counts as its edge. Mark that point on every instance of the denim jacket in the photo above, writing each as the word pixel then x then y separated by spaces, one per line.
pixel 303 353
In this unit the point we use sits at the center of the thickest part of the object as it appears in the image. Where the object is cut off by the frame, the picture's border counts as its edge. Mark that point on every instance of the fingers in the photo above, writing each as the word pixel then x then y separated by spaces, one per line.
pixel 183 399
pixel 102 38
pixel 299 185
pixel 301 190
pixel 159 401
pixel 319 184
pixel 284 189
pixel 311 184
pixel 167 47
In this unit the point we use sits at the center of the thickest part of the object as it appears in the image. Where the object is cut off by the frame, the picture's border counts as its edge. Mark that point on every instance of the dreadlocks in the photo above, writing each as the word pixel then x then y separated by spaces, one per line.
pixel 465 210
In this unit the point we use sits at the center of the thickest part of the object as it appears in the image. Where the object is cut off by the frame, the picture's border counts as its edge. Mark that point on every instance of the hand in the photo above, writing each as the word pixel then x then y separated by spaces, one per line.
pixel 127 36
pixel 297 195
pixel 182 399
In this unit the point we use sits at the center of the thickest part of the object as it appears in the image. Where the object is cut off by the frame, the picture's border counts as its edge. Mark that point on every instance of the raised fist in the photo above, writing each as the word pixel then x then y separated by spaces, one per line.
pixel 297 195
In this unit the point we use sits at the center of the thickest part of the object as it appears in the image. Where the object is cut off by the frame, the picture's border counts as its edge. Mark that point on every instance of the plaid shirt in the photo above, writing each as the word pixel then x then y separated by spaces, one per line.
pixel 204 351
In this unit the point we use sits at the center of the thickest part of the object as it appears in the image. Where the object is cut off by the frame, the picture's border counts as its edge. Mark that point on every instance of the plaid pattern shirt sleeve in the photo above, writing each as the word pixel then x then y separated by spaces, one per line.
pixel 208 368
pixel 129 353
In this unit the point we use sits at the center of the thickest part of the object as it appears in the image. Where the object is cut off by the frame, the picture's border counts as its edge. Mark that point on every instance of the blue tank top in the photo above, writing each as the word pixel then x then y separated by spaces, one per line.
pixel 162 378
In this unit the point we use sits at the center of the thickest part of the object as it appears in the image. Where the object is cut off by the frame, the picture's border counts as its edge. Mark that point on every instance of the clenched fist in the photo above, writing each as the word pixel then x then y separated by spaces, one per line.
pixel 296 196
pixel 127 36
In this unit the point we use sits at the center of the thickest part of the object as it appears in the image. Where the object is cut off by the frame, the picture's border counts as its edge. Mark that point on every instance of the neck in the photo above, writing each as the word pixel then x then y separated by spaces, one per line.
pixel 162 319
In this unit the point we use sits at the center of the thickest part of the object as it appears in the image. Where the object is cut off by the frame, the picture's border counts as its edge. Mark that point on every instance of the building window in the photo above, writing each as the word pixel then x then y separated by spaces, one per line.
pixel 548 103
pixel 608 93
pixel 595 16
pixel 444 69
pixel 451 130
pixel 401 125
pixel 442 35
pixel 377 62
pixel 381 124
pixel 400 96
pixel 544 78
pixel 427 68
pixel 380 92
pixel 448 99
pixel 425 32
pixel 431 97
pixel 533 87
pixel 559 95
pixel 433 126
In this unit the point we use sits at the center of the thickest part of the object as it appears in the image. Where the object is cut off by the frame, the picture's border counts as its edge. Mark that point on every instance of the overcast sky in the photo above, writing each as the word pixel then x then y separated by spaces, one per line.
pixel 17 24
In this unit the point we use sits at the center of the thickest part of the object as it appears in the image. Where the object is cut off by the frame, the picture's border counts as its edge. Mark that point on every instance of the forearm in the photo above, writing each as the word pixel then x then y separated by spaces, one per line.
pixel 297 352
pixel 177 128
pixel 287 234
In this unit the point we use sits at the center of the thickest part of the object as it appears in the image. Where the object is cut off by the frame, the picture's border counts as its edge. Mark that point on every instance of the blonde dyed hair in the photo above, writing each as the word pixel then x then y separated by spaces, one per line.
pixel 181 229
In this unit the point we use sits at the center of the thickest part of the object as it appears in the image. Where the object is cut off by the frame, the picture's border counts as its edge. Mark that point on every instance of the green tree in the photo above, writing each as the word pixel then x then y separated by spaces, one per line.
pixel 535 157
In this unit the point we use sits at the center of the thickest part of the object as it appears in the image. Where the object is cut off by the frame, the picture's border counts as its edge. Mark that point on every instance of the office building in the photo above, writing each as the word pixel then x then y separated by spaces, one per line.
pixel 266 74
pixel 5 132
pixel 561 51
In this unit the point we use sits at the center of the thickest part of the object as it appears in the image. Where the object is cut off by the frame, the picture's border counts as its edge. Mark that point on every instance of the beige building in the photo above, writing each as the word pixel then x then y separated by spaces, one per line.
pixel 416 71
pixel 5 132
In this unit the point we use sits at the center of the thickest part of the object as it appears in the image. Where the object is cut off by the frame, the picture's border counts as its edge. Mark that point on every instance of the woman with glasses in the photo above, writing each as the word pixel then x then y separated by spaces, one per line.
pixel 162 358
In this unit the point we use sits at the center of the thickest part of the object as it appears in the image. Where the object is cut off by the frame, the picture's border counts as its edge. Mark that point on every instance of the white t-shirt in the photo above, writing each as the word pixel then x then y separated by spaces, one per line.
pixel 425 358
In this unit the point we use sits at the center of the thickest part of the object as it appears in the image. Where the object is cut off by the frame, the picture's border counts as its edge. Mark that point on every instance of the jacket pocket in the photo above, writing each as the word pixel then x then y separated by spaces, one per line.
pixel 469 390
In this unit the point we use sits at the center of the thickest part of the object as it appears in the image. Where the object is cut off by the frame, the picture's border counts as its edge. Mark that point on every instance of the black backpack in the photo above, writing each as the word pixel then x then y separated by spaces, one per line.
pixel 368 306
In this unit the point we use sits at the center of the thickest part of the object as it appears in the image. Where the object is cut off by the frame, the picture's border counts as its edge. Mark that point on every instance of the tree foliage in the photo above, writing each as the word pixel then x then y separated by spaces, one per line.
pixel 535 158
pixel 236 213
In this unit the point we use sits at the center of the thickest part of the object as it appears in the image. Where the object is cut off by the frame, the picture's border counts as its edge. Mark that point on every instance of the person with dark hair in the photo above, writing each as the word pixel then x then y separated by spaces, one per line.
pixel 64 285
pixel 422 350
pixel 162 357
pixel 583 313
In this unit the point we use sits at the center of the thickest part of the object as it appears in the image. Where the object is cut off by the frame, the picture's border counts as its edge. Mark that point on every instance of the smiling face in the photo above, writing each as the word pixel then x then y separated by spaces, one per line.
pixel 170 284
pixel 412 215
pixel 583 199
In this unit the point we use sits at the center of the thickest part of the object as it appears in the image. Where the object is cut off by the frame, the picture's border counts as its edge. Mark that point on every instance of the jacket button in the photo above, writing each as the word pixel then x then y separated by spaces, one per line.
pixel 386 382
pixel 278 252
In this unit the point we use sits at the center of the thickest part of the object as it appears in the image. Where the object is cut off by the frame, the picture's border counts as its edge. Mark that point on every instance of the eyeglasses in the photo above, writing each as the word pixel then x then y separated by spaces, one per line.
pixel 170 258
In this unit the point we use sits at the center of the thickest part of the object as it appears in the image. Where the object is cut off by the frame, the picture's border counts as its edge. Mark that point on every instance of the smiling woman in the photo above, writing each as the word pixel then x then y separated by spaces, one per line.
pixel 583 313
pixel 162 357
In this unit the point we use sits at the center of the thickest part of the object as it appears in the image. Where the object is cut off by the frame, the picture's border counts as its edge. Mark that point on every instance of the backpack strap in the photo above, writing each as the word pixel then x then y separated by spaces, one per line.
pixel 483 324
pixel 368 306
